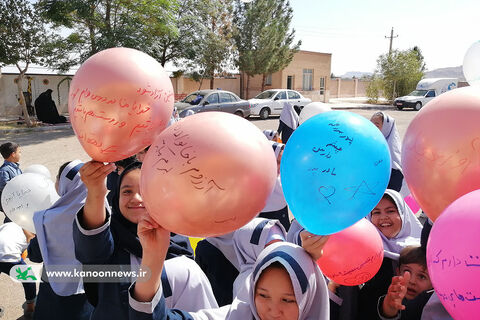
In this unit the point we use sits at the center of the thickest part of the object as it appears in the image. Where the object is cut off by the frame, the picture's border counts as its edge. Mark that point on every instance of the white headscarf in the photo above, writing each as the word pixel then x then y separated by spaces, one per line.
pixel 434 310
pixel 289 116
pixel 293 235
pixel 249 241
pixel 185 286
pixel 54 228
pixel 308 284
pixel 390 132
pixel 270 134
pixel 276 200
pixel 409 233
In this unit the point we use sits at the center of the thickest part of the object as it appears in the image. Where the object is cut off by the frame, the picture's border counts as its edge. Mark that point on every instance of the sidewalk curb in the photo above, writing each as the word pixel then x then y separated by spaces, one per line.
pixel 36 129
pixel 364 107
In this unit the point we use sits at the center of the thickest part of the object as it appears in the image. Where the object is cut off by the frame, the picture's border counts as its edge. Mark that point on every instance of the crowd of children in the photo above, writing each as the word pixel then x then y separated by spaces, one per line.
pixel 265 270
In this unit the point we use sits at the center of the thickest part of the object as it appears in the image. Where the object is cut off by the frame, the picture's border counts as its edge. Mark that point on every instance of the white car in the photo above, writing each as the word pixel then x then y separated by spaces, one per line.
pixel 271 102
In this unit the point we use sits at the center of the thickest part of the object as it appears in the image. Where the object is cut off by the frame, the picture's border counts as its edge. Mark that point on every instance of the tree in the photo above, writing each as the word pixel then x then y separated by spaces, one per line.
pixel 95 25
pixel 183 41
pixel 215 38
pixel 263 37
pixel 400 71
pixel 22 41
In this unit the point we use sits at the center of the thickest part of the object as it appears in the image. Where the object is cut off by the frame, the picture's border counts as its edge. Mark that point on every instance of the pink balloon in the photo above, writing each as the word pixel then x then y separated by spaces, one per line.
pixel 441 150
pixel 208 174
pixel 412 203
pixel 354 255
pixel 453 257
pixel 118 99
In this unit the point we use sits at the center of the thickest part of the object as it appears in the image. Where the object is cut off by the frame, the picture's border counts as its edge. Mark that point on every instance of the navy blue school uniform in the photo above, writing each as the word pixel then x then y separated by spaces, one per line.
pixel 285 131
pixel 219 270
pixel 373 289
pixel 98 247
pixel 49 305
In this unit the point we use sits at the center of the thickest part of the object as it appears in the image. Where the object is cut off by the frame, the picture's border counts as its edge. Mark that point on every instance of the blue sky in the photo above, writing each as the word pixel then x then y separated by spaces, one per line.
pixel 354 31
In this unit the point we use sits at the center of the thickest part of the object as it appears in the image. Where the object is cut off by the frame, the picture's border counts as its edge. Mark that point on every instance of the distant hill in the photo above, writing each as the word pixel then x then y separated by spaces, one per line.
pixel 451 72
pixel 356 74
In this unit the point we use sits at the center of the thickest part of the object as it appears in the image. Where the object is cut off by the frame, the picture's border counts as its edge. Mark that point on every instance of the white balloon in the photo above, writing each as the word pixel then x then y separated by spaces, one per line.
pixel 25 194
pixel 312 109
pixel 40 169
pixel 471 64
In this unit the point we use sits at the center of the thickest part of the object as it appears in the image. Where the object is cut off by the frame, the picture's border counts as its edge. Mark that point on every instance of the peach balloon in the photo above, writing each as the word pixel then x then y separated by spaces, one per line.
pixel 118 100
pixel 208 174
pixel 354 255
pixel 441 150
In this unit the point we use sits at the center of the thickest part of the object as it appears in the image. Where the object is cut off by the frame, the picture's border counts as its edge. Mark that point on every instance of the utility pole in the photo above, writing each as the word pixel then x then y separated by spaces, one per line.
pixel 391 40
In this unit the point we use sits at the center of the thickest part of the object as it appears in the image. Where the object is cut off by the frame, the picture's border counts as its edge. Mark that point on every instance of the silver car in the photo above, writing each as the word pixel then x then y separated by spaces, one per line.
pixel 213 100
pixel 270 102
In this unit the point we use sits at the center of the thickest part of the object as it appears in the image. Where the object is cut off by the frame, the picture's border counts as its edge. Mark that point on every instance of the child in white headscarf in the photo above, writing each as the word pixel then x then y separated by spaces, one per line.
pixel 271 135
pixel 386 124
pixel 398 227
pixel 288 122
pixel 284 274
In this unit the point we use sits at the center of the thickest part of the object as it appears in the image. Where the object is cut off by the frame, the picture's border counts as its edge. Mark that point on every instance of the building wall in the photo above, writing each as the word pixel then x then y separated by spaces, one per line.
pixel 347 88
pixel 9 106
pixel 319 62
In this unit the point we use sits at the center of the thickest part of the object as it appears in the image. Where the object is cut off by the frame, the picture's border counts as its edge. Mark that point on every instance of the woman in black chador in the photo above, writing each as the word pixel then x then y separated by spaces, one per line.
pixel 46 109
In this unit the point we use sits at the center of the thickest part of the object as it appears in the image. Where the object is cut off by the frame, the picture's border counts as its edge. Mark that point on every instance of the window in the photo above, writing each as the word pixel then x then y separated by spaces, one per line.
pixel 282 95
pixel 307 79
pixel 213 98
pixel 268 80
pixel 322 85
pixel 430 94
pixel 226 97
pixel 293 95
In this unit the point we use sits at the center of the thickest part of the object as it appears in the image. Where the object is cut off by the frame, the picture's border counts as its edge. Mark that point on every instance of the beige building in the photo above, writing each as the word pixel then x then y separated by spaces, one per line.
pixel 309 73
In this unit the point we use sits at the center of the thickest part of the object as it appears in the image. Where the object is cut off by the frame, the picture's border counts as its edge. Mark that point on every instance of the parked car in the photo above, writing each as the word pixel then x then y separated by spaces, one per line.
pixel 270 102
pixel 213 100
pixel 426 90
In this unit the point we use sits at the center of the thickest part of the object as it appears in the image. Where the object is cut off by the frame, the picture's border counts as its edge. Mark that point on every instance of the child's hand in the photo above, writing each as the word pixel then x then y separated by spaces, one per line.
pixel 93 174
pixel 155 240
pixel 333 286
pixel 397 290
pixel 313 244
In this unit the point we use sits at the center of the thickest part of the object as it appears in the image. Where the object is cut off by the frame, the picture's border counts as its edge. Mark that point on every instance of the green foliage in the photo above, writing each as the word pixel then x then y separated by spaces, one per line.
pixel 374 89
pixel 95 25
pixel 262 36
pixel 22 33
pixel 215 38
pixel 400 71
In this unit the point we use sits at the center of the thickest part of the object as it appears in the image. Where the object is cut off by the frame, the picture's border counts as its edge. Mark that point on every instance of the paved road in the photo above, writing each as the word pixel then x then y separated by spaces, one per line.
pixel 53 148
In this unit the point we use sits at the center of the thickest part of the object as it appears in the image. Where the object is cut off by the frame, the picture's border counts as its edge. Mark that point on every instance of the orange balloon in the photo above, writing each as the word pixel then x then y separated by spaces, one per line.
pixel 354 255
pixel 441 150
pixel 118 100
pixel 208 174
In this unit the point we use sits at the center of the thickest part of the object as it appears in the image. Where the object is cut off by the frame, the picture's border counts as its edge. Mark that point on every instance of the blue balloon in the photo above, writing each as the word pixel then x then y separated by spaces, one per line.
pixel 334 170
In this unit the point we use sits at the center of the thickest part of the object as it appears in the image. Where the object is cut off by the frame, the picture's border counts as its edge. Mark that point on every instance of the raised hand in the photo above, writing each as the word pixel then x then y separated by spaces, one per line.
pixel 397 290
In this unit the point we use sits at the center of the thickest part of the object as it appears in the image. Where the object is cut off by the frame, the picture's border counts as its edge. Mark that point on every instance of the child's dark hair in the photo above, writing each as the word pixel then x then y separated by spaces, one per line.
pixel 7 149
pixel 413 254
pixel 125 162
pixel 62 167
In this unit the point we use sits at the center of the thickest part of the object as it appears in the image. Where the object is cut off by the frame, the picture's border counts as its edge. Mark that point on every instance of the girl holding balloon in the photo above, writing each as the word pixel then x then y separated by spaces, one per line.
pixel 102 238
pixel 398 227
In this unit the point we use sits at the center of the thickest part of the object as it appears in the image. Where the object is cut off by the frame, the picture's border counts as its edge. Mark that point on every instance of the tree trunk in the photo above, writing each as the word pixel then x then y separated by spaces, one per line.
pixel 21 98
pixel 241 86
pixel 263 82
pixel 248 86
pixel 212 82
